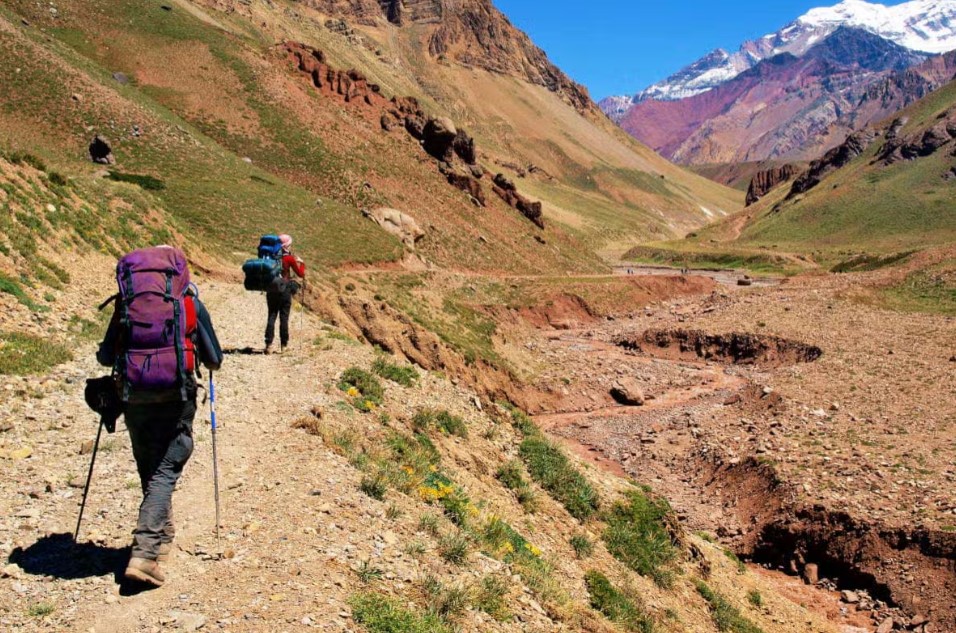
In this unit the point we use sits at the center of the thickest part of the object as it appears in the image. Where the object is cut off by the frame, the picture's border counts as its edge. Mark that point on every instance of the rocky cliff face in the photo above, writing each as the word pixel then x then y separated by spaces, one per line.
pixel 470 32
pixel 768 179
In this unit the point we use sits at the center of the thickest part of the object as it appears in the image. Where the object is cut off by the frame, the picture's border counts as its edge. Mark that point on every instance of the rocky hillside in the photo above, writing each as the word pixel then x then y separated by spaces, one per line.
pixel 471 33
pixel 849 80
pixel 886 189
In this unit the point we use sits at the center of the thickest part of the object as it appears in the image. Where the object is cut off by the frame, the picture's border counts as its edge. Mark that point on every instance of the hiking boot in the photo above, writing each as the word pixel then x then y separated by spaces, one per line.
pixel 145 571
pixel 165 549
pixel 268 349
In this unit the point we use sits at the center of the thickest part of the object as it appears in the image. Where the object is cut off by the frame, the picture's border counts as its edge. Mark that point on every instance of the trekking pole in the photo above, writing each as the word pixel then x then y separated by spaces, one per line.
pixel 215 462
pixel 89 478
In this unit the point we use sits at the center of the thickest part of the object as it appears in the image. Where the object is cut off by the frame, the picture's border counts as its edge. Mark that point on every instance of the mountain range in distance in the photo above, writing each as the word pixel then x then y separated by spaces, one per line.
pixel 795 93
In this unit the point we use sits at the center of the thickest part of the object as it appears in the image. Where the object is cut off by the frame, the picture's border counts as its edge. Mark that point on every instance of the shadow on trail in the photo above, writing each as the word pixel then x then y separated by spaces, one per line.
pixel 58 556
pixel 243 351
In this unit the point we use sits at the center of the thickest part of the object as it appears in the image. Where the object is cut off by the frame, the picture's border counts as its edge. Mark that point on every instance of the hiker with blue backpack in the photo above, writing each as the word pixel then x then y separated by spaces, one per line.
pixel 158 336
pixel 272 272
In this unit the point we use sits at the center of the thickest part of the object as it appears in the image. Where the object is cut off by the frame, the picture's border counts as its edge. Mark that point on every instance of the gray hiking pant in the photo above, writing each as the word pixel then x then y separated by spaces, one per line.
pixel 161 435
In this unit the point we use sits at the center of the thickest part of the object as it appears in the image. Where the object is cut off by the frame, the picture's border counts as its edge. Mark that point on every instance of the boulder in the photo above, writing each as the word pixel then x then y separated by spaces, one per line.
pixel 401 225
pixel 464 146
pixel 628 392
pixel 101 152
pixel 438 138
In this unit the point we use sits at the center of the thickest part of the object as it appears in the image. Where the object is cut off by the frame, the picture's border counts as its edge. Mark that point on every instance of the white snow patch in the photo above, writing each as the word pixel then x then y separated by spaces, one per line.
pixel 707 211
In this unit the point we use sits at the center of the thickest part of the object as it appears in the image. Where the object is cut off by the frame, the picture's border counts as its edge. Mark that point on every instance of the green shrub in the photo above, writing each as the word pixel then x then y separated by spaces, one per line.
pixel 754 598
pixel 553 471
pixel 12 287
pixel 725 615
pixel 520 420
pixel 741 568
pixel 403 375
pixel 381 614
pixel 365 389
pixel 441 420
pixel 57 179
pixel 637 534
pixel 615 605
pixel 22 354
pixel 582 545
pixel 40 609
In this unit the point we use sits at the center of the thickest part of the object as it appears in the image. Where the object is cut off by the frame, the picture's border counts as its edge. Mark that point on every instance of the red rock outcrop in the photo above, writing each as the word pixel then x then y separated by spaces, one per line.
pixel 351 85
pixel 921 144
pixel 508 192
pixel 768 179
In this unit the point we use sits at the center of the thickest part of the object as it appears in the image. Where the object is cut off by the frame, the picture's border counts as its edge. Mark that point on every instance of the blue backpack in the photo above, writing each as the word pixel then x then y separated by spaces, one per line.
pixel 261 272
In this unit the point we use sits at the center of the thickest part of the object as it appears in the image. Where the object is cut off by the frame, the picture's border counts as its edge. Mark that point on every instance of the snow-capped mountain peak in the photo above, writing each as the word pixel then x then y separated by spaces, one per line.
pixel 927 26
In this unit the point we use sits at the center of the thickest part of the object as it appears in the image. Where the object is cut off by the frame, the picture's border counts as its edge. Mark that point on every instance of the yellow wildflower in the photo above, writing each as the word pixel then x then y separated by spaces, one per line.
pixel 531 548
pixel 353 392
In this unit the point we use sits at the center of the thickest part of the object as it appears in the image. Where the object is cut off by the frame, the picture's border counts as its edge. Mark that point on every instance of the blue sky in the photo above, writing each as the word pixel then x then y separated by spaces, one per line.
pixel 622 46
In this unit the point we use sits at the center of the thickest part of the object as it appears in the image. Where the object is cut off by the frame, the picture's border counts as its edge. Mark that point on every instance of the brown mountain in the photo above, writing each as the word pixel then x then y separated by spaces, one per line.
pixel 470 32
pixel 792 108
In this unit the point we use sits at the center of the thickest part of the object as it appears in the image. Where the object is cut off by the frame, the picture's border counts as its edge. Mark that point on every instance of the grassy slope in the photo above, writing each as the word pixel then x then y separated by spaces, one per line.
pixel 865 207
pixel 211 190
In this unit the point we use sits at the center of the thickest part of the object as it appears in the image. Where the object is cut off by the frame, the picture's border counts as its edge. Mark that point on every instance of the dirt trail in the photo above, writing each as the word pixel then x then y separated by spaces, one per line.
pixel 267 511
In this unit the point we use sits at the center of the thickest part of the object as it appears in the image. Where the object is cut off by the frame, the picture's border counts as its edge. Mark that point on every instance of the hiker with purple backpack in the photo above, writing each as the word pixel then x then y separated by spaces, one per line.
pixel 159 335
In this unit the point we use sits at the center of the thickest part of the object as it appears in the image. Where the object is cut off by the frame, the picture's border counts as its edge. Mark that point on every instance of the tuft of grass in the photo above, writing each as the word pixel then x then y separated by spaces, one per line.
pixel 725 615
pixel 637 534
pixel 367 572
pixel 402 374
pixel 382 614
pixel 41 609
pixel 454 548
pixel 616 605
pixel 552 470
pixel 441 420
pixel 754 598
pixel 24 354
pixel 510 475
pixel 582 545
pixel 446 602
pixel 490 595
pixel 428 523
pixel 375 485
pixel 393 512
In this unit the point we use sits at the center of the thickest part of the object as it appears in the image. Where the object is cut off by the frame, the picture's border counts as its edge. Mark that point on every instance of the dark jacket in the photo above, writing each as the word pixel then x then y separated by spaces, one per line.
pixel 207 349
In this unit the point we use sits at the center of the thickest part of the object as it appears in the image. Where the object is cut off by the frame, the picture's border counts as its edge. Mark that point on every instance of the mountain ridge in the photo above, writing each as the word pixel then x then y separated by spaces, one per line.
pixel 911 25
pixel 789 107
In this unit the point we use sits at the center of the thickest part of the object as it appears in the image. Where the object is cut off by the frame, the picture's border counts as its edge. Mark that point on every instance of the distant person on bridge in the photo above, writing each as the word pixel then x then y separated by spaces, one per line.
pixel 280 293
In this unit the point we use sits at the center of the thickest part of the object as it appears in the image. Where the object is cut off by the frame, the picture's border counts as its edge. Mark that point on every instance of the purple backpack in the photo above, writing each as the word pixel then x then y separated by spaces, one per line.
pixel 157 319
